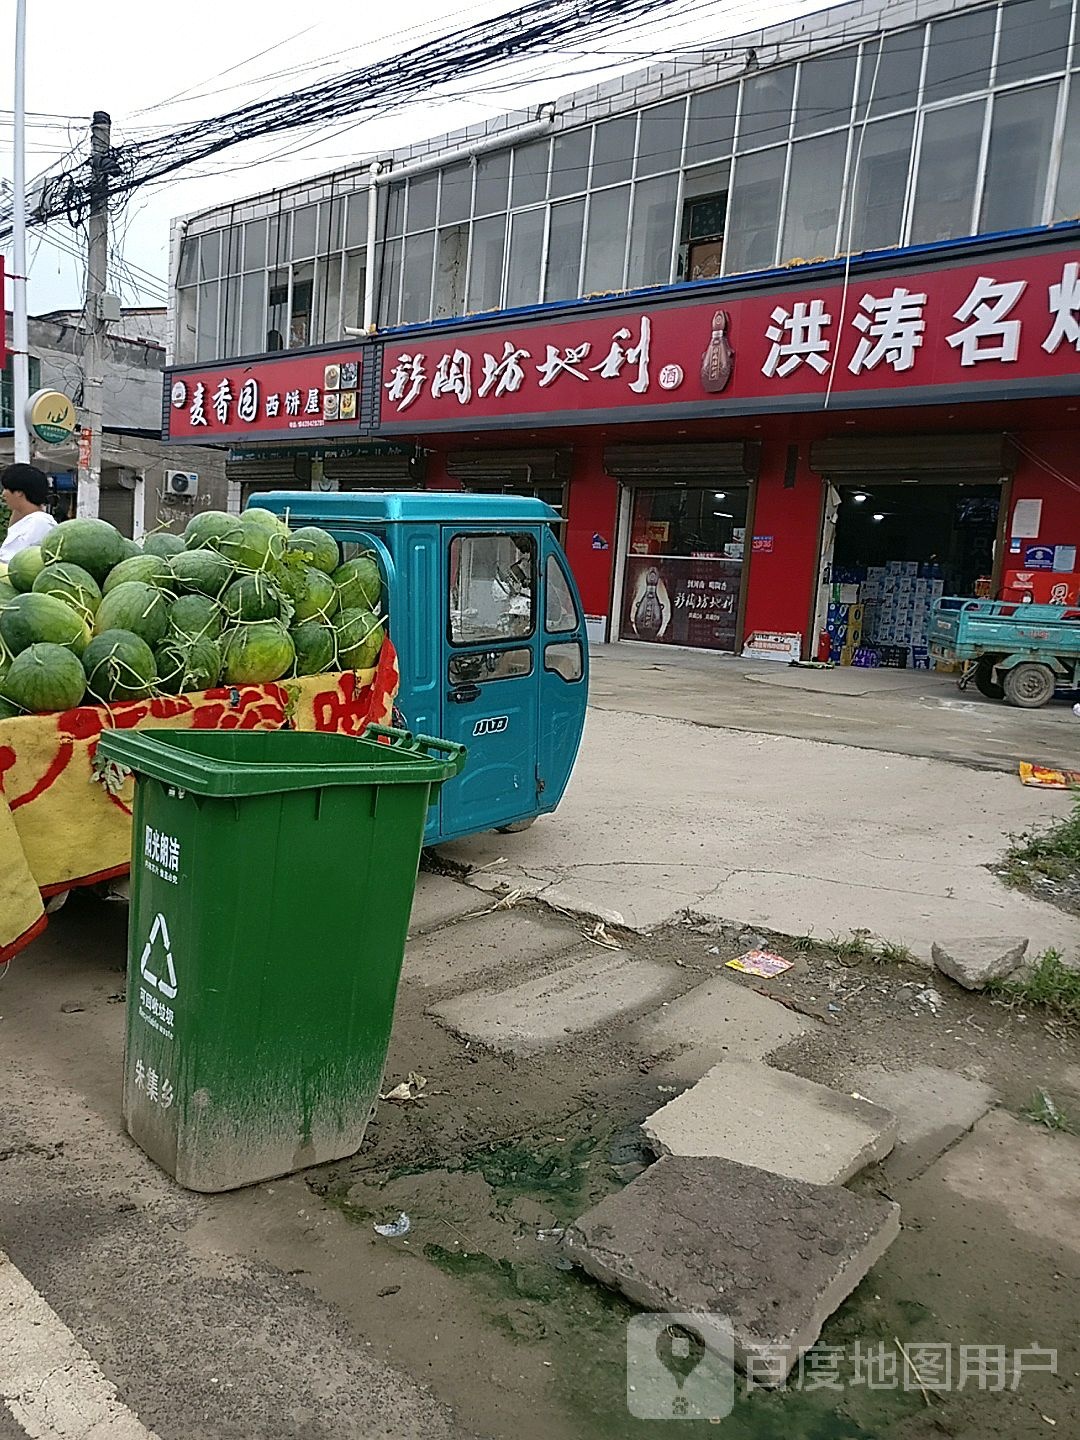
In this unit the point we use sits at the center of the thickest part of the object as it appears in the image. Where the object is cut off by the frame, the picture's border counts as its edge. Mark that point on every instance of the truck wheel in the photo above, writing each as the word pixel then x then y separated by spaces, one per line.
pixel 1028 685
pixel 984 678
pixel 516 826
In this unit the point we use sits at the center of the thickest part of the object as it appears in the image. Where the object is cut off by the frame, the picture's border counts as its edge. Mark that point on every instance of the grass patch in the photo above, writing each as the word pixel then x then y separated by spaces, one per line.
pixel 1043 1111
pixel 856 947
pixel 1049 984
pixel 894 954
pixel 1052 854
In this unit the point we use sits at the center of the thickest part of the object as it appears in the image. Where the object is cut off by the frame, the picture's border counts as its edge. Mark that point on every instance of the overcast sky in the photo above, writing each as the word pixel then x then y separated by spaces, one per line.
pixel 154 65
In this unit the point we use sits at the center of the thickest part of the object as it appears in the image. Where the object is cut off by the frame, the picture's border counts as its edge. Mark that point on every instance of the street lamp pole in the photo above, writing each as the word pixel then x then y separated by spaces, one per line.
pixel 20 329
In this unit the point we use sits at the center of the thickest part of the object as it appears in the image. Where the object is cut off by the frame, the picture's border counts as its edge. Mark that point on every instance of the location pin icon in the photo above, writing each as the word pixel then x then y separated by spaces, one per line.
pixel 680 1350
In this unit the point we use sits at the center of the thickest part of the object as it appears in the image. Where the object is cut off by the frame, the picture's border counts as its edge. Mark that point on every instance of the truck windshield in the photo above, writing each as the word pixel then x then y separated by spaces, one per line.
pixel 492 588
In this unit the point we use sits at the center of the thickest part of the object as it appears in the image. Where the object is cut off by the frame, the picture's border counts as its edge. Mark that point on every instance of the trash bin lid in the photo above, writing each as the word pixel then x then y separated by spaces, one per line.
pixel 234 763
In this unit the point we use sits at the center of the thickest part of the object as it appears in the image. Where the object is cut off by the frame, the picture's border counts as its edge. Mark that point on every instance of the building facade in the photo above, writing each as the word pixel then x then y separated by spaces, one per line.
pixel 755 323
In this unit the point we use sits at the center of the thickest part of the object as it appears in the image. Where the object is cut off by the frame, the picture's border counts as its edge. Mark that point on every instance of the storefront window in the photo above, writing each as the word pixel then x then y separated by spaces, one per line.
pixel 683 573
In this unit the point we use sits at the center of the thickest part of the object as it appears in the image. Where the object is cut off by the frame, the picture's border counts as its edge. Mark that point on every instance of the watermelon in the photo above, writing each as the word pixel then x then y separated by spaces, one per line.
pixel 195 617
pixel 319 547
pixel 7 591
pixel 311 591
pixel 119 666
pixel 24 567
pixel 186 665
pixel 44 677
pixel 8 708
pixel 131 547
pixel 203 571
pixel 260 544
pixel 316 647
pixel 359 637
pixel 71 584
pixel 36 618
pixel 209 528
pixel 150 569
pixel 358 583
pixel 162 543
pixel 256 654
pixel 252 597
pixel 136 607
pixel 94 544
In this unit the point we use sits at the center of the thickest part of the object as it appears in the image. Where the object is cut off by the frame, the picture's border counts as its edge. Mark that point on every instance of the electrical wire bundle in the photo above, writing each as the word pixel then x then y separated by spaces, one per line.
pixel 541 26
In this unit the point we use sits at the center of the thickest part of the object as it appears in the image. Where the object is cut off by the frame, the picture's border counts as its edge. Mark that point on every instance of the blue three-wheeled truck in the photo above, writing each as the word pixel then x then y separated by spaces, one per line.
pixel 486 619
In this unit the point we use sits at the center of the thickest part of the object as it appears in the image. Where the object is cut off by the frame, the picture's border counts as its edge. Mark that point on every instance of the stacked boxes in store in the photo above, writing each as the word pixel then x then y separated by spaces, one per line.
pixel 845 618
pixel 898 598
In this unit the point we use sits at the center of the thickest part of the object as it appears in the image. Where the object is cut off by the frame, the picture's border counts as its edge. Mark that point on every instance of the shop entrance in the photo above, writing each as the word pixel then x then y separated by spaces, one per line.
pixel 683 564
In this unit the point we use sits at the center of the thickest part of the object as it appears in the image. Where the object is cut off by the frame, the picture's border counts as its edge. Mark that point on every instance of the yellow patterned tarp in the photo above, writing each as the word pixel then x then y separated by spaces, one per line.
pixel 60 827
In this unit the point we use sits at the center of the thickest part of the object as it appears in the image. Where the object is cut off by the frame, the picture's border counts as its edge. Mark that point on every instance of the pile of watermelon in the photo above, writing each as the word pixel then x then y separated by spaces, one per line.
pixel 89 617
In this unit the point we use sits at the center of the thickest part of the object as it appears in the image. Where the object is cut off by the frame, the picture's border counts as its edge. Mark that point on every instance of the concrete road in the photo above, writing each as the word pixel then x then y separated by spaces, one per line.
pixel 793 835
pixel 906 712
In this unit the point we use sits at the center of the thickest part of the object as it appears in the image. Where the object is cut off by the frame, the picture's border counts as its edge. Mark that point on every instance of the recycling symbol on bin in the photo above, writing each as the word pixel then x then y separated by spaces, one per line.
pixel 166 983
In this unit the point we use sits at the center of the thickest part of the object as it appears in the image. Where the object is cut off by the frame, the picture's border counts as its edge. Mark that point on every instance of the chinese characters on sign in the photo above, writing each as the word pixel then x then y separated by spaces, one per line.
pixel 302 393
pixel 158 1089
pixel 161 855
pixel 682 600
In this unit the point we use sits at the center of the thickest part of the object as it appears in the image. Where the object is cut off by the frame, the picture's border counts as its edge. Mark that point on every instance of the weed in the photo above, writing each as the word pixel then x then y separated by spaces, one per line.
pixel 894 954
pixel 803 943
pixel 856 947
pixel 1053 854
pixel 1049 983
pixel 1043 1111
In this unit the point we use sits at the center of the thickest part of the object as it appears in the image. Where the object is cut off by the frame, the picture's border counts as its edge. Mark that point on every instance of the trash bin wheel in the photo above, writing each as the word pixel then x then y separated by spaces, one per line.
pixel 984 678
pixel 1029 685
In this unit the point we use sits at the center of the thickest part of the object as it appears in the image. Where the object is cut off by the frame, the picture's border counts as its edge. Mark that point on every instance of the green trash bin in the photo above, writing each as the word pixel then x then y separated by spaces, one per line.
pixel 272 878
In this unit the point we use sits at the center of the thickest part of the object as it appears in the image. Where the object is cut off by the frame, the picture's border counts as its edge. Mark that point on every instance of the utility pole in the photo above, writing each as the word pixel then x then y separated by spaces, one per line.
pixel 20 331
pixel 97 267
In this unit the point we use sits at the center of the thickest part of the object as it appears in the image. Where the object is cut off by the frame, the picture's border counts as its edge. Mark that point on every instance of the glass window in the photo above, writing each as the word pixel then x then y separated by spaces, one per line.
pixel 652 235
pixel 825 89
pixel 303 232
pixel 1034 39
pixel 423 194
pixel 232 243
pixel 475 668
pixel 711 127
pixel 526 253
pixel 455 193
pixel 570 162
pixel 303 295
pixel 766 107
pixel 389 284
pixel 815 185
pixel 660 137
pixel 889 78
pixel 416 277
pixel 331 225
pixel 189 261
pixel 613 150
pixel 948 173
pixel 453 253
pixel 560 612
pixel 1067 200
pixel 564 250
pixel 704 220
pixel 959 58
pixel 492 588
pixel 492 182
pixel 356 219
pixel 255 245
pixel 210 255
pixel 565 660
pixel 754 211
pixel 277 234
pixel 207 346
pixel 352 305
pixel 252 314
pixel 883 152
pixel 605 248
pixel 230 316
pixel 277 310
pixel 1021 135
pixel 530 173
pixel 327 325
pixel 186 335
pixel 395 207
pixel 486 263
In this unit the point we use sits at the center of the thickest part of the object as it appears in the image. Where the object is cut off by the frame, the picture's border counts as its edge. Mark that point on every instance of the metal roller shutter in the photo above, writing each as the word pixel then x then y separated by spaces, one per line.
pixel 934 459
pixel 724 459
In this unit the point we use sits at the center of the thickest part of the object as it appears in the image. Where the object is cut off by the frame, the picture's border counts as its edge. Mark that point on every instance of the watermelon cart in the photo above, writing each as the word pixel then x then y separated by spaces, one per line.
pixel 236 625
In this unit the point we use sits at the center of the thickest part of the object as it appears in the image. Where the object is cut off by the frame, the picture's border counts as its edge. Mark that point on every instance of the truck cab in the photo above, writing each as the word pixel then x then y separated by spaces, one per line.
pixel 487 623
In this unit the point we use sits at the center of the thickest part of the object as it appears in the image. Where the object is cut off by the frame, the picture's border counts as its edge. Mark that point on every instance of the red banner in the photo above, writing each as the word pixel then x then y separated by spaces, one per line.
pixel 291 397
pixel 933 333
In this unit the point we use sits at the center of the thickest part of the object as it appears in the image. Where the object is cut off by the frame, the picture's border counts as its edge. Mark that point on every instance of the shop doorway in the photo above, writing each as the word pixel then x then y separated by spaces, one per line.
pixel 683 564
pixel 948 529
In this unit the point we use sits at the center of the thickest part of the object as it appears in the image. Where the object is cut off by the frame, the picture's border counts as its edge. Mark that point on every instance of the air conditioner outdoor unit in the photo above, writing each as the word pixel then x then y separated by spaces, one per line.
pixel 183 483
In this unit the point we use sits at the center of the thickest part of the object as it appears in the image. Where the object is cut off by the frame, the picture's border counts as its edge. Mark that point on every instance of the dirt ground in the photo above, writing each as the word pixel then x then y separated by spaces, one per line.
pixel 479 1301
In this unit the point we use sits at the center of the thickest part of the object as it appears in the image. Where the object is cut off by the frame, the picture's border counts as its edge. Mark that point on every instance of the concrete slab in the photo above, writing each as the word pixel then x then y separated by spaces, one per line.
pixel 718 1018
pixel 746 1111
pixel 933 1108
pixel 595 987
pixel 439 899
pixel 767 1256
pixel 509 940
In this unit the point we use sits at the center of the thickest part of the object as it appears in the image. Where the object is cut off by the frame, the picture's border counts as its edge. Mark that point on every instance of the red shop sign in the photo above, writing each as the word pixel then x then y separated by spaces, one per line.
pixel 967 331
pixel 294 396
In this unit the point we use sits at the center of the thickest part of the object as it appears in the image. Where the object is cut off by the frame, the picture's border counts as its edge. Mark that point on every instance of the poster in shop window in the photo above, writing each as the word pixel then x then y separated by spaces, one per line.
pixel 681 600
